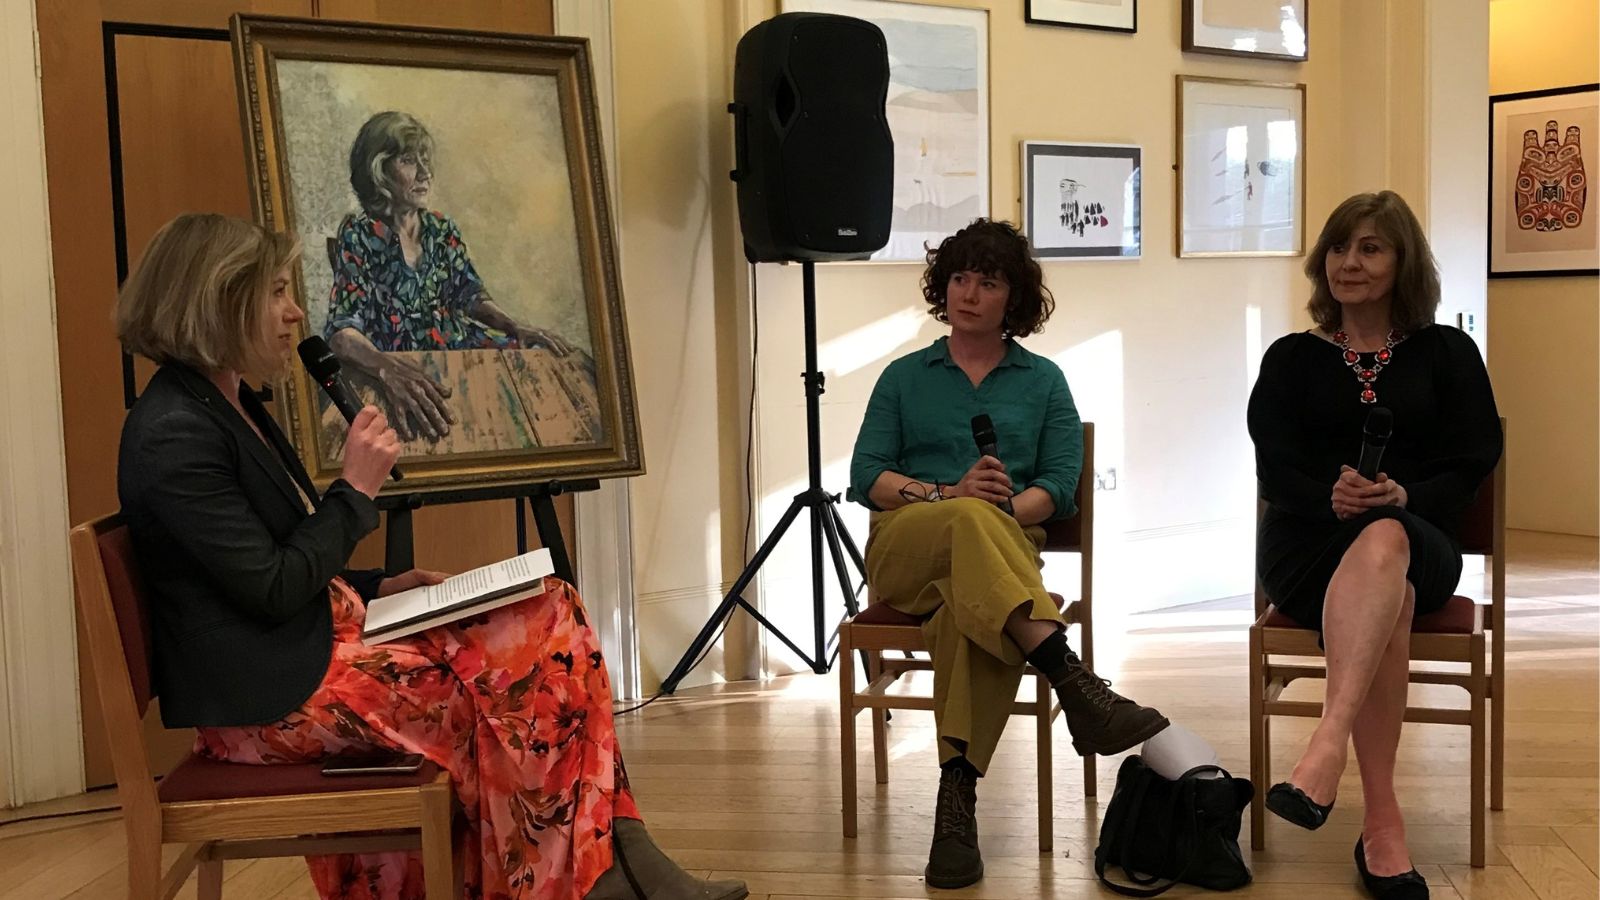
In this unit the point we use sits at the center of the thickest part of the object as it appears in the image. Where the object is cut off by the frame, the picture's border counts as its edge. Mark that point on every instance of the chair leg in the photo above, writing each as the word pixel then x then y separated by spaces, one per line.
pixel 1091 777
pixel 847 729
pixel 144 859
pixel 210 880
pixel 438 858
pixel 1044 710
pixel 1260 745
pixel 1497 725
pixel 1479 687
pixel 880 725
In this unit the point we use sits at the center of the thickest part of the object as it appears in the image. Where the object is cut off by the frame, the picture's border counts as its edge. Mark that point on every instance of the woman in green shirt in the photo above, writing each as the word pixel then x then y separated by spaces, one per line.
pixel 958 540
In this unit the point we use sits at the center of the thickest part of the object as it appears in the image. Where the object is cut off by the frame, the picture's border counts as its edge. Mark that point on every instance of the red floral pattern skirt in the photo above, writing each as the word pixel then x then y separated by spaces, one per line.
pixel 515 704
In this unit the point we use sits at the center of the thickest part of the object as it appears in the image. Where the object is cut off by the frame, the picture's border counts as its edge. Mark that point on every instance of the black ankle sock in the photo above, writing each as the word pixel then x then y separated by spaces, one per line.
pixel 1053 657
pixel 961 763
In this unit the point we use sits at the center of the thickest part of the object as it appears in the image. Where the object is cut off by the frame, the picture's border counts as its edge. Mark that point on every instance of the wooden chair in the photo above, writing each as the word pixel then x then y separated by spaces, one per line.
pixel 881 628
pixel 1456 633
pixel 226 810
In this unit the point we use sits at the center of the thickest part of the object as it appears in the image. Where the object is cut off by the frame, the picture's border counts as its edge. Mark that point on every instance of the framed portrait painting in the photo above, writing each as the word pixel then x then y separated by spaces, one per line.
pixel 1081 201
pixel 1257 29
pixel 1101 15
pixel 448 190
pixel 1541 149
pixel 938 111
pixel 1241 167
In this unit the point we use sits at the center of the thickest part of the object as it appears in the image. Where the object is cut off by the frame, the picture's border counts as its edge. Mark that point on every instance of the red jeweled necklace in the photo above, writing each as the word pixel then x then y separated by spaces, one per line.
pixel 1368 374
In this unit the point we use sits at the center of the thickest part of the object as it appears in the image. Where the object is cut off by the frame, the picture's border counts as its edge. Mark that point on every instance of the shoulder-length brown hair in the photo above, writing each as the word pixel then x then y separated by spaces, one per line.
pixel 199 293
pixel 1415 295
pixel 993 248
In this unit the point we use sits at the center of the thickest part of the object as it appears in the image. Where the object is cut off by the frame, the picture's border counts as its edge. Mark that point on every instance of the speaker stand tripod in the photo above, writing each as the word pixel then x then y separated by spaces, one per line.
pixel 826 527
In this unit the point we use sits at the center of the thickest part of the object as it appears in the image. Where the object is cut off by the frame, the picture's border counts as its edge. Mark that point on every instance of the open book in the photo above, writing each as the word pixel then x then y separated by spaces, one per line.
pixel 457 597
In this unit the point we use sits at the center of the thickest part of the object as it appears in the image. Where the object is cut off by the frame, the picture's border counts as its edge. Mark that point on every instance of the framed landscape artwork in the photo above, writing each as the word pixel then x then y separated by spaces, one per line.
pixel 1258 29
pixel 448 190
pixel 1541 149
pixel 1102 15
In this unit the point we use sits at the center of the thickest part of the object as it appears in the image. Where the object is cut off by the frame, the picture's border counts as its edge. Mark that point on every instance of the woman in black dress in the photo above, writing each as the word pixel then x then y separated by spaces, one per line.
pixel 1359 559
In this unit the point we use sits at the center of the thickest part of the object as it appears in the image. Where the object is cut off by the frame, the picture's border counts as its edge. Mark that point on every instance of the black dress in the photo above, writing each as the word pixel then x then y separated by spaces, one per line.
pixel 1306 419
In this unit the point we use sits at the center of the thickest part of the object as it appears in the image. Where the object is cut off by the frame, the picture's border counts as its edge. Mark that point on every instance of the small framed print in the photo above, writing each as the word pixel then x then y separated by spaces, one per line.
pixel 1101 15
pixel 1081 201
pixel 1541 149
pixel 1260 29
pixel 1241 167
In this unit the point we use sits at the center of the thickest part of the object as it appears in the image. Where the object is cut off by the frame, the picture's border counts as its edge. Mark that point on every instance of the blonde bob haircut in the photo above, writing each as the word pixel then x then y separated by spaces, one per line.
pixel 199 293
pixel 1415 295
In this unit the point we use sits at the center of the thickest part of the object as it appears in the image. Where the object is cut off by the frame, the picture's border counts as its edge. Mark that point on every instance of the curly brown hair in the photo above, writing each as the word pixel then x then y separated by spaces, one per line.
pixel 993 248
pixel 1415 295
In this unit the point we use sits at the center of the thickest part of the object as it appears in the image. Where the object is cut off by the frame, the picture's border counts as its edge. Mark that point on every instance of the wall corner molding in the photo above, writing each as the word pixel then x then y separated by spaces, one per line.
pixel 40 725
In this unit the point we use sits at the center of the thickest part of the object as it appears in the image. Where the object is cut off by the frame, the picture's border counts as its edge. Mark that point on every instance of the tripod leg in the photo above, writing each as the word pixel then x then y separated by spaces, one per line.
pixel 834 528
pixel 732 598
pixel 850 545
pixel 832 525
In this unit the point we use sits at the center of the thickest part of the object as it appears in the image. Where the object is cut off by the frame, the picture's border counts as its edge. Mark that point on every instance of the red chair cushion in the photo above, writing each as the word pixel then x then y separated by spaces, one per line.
pixel 1455 617
pixel 884 614
pixel 198 778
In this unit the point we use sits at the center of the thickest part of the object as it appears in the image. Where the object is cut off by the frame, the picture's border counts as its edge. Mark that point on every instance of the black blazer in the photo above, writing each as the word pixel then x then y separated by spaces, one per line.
pixel 237 571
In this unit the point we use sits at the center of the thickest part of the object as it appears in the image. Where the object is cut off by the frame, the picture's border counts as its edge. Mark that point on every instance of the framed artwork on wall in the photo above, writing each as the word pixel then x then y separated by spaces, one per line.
pixel 1241 167
pixel 938 111
pixel 1259 29
pixel 1102 15
pixel 1082 201
pixel 458 255
pixel 1541 149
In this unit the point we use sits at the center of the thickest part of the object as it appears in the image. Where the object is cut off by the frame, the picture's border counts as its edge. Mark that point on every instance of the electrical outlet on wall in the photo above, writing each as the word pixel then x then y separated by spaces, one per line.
pixel 1105 479
pixel 1467 322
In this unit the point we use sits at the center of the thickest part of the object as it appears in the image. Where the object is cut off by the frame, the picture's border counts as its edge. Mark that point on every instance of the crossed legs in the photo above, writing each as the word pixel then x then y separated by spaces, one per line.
pixel 1366 628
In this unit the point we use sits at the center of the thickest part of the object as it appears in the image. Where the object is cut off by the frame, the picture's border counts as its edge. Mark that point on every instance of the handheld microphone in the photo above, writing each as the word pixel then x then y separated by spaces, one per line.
pixel 983 436
pixel 323 366
pixel 1374 437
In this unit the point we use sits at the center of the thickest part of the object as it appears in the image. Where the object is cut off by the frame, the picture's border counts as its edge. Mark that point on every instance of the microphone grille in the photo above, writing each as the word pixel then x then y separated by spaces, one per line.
pixel 318 358
pixel 1380 422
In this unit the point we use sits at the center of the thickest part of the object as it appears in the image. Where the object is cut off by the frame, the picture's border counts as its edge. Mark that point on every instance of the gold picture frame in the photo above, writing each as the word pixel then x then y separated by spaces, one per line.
pixel 1240 150
pixel 523 337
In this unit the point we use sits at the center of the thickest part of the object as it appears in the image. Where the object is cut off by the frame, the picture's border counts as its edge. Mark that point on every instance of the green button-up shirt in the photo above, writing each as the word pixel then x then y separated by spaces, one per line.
pixel 919 423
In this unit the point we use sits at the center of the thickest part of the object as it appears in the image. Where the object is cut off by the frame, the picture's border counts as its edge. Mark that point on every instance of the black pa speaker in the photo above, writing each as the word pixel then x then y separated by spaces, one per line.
pixel 814 158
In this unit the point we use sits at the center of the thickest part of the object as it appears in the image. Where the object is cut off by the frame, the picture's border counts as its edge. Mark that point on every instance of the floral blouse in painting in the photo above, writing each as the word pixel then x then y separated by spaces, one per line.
pixel 399 307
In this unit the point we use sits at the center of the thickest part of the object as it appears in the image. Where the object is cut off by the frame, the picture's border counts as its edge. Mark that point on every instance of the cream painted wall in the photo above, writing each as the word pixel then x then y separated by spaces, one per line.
pixel 679 236
pixel 1545 336
pixel 1159 352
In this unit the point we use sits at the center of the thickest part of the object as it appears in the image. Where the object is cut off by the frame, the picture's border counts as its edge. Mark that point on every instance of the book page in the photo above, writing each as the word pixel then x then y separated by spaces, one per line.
pixel 465 589
pixel 513 572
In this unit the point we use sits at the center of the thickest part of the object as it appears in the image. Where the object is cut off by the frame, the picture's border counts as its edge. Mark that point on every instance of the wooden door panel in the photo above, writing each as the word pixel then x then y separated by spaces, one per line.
pixel 515 16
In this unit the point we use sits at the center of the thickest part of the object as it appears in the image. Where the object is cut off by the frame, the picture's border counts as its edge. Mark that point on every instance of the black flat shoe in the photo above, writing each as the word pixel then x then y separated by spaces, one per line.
pixel 1405 886
pixel 1291 803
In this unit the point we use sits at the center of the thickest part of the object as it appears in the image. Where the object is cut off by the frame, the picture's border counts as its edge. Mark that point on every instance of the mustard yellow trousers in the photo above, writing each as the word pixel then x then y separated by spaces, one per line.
pixel 964 567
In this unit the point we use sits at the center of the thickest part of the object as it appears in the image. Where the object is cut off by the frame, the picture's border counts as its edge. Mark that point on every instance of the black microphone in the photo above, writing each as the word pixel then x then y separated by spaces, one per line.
pixel 1374 437
pixel 983 436
pixel 323 366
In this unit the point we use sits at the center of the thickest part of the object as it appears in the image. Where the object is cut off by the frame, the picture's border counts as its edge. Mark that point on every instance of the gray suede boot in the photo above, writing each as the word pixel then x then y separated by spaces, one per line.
pixel 640 871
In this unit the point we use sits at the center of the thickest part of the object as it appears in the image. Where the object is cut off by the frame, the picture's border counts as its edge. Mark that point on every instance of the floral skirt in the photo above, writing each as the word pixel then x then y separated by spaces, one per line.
pixel 515 704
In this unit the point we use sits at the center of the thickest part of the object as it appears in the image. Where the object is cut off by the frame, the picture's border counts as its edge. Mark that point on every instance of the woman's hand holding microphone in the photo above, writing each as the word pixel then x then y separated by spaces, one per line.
pixel 986 480
pixel 370 450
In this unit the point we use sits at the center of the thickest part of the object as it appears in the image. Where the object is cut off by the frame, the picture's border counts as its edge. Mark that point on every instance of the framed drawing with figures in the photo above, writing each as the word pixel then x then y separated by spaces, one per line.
pixel 448 191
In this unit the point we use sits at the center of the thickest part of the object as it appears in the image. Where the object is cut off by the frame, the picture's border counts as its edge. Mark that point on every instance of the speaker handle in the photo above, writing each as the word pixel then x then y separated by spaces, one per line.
pixel 740 152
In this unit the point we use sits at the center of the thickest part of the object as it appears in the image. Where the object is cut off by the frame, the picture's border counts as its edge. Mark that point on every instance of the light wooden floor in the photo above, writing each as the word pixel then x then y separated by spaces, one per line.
pixel 743 781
